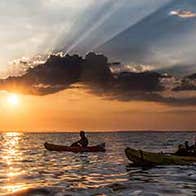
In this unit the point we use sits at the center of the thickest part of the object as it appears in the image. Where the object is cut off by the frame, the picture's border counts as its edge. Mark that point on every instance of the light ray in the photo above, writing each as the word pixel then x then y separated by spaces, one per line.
pixel 96 25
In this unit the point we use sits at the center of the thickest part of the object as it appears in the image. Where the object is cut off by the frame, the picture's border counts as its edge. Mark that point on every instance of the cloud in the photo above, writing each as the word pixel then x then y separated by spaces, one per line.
pixel 130 68
pixel 60 72
pixel 188 83
pixel 56 74
pixel 183 13
pixel 93 73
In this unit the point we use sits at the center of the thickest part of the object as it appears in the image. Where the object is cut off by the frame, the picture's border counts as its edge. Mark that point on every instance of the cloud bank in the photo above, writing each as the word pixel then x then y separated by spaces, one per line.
pixel 59 72
pixel 94 74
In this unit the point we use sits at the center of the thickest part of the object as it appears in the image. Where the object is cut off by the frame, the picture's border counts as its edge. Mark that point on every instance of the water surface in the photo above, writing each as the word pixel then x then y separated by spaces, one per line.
pixel 25 166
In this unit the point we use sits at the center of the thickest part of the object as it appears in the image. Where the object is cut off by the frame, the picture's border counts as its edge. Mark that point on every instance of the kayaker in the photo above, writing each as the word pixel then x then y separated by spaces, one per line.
pixel 83 141
pixel 186 150
pixel 187 147
pixel 181 150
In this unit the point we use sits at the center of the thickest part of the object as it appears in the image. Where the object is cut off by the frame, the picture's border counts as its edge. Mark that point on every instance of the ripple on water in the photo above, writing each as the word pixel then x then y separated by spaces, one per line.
pixel 26 167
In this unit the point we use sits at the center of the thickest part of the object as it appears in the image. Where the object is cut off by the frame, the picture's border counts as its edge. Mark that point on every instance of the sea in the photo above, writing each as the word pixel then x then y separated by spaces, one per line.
pixel 27 168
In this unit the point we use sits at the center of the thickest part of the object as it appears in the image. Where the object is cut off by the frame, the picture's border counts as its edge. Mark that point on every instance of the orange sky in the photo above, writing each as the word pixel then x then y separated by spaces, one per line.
pixel 73 110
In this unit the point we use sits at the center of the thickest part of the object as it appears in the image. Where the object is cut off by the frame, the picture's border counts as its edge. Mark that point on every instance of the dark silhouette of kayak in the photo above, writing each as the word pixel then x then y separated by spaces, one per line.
pixel 76 149
pixel 144 158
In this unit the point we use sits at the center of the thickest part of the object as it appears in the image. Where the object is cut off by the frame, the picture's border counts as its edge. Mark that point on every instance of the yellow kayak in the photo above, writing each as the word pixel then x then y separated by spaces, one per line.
pixel 143 158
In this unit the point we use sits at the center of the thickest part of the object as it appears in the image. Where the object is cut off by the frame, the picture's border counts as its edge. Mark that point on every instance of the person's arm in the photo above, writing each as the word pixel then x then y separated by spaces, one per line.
pixel 79 141
pixel 76 143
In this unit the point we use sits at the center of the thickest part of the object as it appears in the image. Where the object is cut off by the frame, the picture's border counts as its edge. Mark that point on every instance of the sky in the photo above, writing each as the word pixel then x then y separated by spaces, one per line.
pixel 163 39
pixel 44 89
pixel 42 26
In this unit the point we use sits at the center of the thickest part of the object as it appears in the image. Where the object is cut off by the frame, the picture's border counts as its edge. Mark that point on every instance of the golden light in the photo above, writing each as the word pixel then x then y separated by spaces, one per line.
pixel 12 155
pixel 13 99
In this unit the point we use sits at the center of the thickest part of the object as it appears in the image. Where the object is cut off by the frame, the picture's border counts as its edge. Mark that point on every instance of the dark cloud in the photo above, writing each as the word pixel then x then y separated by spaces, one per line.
pixel 56 74
pixel 188 83
pixel 93 72
pixel 145 81
pixel 59 72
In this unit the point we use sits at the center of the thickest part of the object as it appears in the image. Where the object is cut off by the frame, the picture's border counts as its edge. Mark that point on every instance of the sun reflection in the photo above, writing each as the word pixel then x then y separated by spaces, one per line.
pixel 11 155
pixel 10 146
pixel 12 134
pixel 14 188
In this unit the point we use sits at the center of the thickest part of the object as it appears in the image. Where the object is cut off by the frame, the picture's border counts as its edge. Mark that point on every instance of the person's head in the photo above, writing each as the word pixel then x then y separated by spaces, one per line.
pixel 82 134
pixel 186 143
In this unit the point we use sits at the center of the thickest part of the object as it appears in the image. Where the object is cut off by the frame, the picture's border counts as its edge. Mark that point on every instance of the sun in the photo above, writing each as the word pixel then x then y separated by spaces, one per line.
pixel 13 99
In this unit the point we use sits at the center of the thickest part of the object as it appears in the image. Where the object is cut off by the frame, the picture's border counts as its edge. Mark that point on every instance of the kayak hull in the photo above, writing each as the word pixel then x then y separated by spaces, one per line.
pixel 76 149
pixel 143 158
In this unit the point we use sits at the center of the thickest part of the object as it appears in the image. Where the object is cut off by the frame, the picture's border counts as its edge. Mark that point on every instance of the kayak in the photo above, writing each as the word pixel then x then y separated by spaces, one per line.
pixel 76 149
pixel 143 158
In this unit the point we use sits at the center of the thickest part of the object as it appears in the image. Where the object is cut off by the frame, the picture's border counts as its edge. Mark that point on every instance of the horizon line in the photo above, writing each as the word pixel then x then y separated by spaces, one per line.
pixel 99 131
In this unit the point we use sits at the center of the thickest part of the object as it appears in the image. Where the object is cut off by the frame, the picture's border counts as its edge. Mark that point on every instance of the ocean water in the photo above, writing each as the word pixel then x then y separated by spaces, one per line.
pixel 26 168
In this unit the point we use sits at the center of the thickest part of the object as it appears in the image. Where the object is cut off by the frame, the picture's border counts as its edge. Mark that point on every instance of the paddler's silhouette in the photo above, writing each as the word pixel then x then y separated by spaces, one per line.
pixel 83 142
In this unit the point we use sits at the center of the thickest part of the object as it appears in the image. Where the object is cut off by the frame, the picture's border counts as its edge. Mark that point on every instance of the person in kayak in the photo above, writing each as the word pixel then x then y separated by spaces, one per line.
pixel 181 150
pixel 83 142
pixel 187 147
pixel 186 150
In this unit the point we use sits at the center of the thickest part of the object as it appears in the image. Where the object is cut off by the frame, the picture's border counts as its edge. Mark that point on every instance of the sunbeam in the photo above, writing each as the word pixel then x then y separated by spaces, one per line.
pixel 95 25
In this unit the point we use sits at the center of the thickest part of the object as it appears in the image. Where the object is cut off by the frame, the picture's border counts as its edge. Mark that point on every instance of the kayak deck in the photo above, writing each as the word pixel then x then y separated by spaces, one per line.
pixel 143 158
pixel 76 149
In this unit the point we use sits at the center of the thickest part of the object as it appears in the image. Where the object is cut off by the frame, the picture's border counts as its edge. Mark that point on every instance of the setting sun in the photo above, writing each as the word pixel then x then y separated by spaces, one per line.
pixel 13 99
